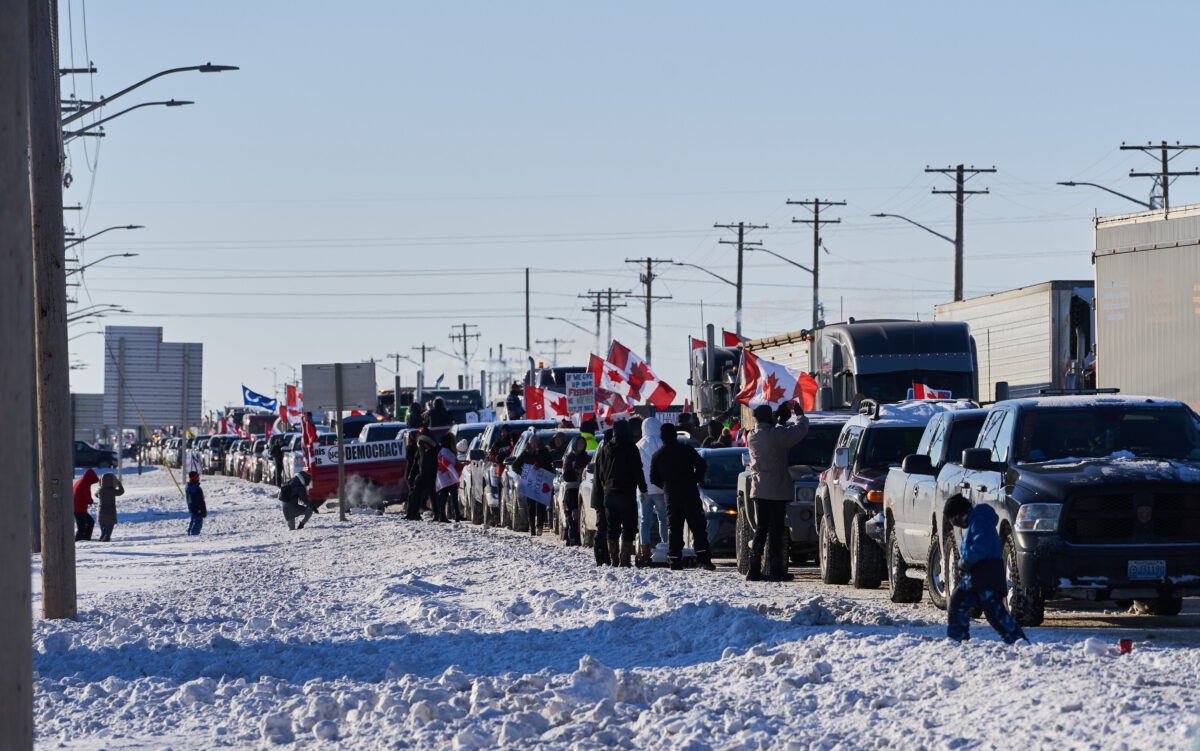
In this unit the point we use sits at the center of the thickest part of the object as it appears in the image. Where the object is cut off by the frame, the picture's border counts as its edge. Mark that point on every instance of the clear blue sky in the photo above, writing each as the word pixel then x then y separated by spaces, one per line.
pixel 379 171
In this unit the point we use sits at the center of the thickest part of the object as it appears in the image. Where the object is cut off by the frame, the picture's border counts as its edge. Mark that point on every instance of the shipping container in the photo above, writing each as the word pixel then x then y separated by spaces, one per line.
pixel 1032 338
pixel 1147 269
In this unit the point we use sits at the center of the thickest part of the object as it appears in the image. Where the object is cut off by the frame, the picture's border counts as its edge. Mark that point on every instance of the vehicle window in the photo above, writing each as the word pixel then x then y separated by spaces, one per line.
pixel 722 471
pixel 1003 441
pixel 883 447
pixel 816 450
pixel 853 438
pixel 1105 430
pixel 962 436
pixel 383 432
pixel 933 440
pixel 987 435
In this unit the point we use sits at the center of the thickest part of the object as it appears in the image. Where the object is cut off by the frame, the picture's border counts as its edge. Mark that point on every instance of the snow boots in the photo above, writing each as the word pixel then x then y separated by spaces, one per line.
pixel 645 556
pixel 626 553
pixel 754 573
pixel 705 561
pixel 614 552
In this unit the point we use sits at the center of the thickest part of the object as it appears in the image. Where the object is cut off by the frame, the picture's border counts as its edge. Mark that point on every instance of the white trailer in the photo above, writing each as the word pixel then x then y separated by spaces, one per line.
pixel 1032 338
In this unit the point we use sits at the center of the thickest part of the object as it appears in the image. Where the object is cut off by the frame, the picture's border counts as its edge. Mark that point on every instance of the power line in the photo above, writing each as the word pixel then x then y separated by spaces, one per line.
pixel 604 304
pixel 741 244
pixel 815 206
pixel 1162 178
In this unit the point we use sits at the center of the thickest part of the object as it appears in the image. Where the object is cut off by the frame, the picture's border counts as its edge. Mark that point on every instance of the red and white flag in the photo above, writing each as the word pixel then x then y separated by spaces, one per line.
pixel 921 391
pixel 295 406
pixel 611 383
pixel 224 426
pixel 766 382
pixel 695 343
pixel 544 404
pixel 731 339
pixel 449 470
pixel 308 441
pixel 641 379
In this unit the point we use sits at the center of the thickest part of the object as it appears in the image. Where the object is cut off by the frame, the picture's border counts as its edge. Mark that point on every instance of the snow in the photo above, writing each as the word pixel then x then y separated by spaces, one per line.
pixel 383 633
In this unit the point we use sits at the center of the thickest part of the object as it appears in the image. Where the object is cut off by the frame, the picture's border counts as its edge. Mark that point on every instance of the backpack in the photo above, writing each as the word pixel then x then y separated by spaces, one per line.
pixel 285 492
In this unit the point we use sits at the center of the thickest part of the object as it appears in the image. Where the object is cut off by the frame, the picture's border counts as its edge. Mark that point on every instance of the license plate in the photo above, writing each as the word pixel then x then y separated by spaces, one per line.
pixel 1147 570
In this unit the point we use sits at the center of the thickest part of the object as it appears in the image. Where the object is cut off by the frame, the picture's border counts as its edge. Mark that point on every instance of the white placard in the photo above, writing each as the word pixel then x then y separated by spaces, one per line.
pixel 373 451
pixel 581 393
pixel 537 484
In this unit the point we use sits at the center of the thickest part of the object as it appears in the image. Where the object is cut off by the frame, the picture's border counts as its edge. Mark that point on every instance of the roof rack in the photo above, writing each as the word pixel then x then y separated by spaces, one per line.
pixel 869 407
pixel 1077 392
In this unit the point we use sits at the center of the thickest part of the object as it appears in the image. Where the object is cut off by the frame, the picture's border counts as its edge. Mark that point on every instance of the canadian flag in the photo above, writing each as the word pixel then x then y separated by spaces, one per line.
pixel 695 343
pixel 308 441
pixel 544 404
pixel 766 382
pixel 640 377
pixel 295 406
pixel 921 391
pixel 610 382
pixel 448 469
pixel 224 426
pixel 731 339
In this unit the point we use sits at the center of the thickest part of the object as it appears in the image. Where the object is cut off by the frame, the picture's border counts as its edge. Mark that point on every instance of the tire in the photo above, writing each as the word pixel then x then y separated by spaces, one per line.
pixel 866 559
pixel 833 556
pixel 1026 604
pixel 901 587
pixel 1169 604
pixel 742 536
pixel 935 572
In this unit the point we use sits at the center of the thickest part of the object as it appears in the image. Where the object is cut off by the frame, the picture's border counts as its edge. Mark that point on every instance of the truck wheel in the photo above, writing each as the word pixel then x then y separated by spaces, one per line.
pixel 833 556
pixel 901 586
pixel 1169 604
pixel 935 572
pixel 742 536
pixel 1026 604
pixel 866 564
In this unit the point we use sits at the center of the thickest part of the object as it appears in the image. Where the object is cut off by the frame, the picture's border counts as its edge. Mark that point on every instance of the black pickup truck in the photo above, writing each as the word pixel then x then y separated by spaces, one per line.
pixel 1098 499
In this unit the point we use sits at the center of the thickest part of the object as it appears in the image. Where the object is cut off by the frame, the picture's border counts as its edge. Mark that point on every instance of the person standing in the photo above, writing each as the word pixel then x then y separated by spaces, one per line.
pixel 574 462
pixel 294 496
pixel 427 459
pixel 539 457
pixel 619 473
pixel 411 471
pixel 110 488
pixel 449 472
pixel 438 418
pixel 277 458
pixel 771 489
pixel 195 503
pixel 512 404
pixel 679 469
pixel 652 503
pixel 416 416
pixel 983 585
pixel 714 429
pixel 81 495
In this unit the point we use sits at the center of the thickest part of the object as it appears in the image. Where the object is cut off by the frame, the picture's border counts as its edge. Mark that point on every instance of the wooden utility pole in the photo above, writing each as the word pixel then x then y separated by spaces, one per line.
pixel 554 352
pixel 527 342
pixel 604 304
pixel 16 386
pixel 815 206
pixel 55 459
pixel 741 244
pixel 647 279
pixel 961 175
pixel 465 337
pixel 1163 177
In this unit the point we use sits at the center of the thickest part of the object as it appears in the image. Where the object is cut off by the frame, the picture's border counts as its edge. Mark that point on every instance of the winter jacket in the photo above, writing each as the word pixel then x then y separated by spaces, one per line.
pixel 110 488
pixel 649 445
pixel 980 553
pixel 619 464
pixel 295 497
pixel 438 418
pixel 678 469
pixel 195 499
pixel 427 453
pixel 416 416
pixel 573 466
pixel 713 437
pixel 513 405
pixel 81 493
pixel 769 444
pixel 541 459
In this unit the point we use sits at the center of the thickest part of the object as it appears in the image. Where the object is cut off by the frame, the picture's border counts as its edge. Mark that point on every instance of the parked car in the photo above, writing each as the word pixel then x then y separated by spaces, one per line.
pixel 88 456
pixel 805 461
pixel 380 431
pixel 486 473
pixel 1098 499
pixel 920 549
pixel 254 471
pixel 212 452
pixel 850 494
pixel 719 496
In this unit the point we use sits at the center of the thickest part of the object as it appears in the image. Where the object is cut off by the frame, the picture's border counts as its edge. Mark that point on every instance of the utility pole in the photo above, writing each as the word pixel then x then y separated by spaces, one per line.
pixel 815 206
pixel 465 337
pixel 961 175
pixel 16 381
pixel 526 312
pixel 396 387
pixel 55 457
pixel 647 280
pixel 1163 177
pixel 604 303
pixel 741 244
pixel 423 349
pixel 554 352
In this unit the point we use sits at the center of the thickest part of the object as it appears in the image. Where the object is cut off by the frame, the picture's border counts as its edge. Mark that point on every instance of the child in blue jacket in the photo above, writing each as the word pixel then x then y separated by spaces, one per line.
pixel 195 503
pixel 983 584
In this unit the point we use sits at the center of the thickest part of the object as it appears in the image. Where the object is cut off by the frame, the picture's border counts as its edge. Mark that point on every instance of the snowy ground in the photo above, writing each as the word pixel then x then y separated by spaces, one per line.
pixel 382 633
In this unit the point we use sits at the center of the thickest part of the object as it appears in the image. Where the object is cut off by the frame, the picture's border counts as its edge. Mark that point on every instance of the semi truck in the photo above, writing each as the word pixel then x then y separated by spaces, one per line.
pixel 1030 338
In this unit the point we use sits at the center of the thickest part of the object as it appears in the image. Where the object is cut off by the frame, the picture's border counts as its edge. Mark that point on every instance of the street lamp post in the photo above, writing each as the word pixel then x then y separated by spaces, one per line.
pixel 85 131
pixel 1073 183
pixel 736 285
pixel 73 243
pixel 564 320
pixel 206 68
pixel 957 256
pixel 98 260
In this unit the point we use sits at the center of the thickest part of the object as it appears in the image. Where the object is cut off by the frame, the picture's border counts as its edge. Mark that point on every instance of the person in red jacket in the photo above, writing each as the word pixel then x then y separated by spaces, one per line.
pixel 82 495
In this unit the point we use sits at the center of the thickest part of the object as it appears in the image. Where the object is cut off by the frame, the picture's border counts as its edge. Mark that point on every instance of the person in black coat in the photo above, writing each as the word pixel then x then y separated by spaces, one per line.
pixel 195 503
pixel 427 453
pixel 416 416
pixel 575 461
pixel 513 404
pixel 294 496
pixel 539 456
pixel 411 469
pixel 678 469
pixel 711 441
pixel 619 474
pixel 438 418
pixel 277 458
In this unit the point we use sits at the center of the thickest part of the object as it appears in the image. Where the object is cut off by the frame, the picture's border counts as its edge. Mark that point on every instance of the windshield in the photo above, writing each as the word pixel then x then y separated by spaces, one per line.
pixel 383 432
pixel 894 387
pixel 723 470
pixel 816 448
pixel 886 446
pixel 1103 430
pixel 546 438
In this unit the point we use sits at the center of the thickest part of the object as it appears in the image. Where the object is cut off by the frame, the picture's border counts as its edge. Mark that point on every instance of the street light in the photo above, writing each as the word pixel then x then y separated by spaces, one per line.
pixel 102 309
pixel 67 134
pixel 98 260
pixel 706 271
pixel 957 249
pixel 565 320
pixel 1072 184
pixel 782 258
pixel 918 224
pixel 641 326
pixel 206 68
pixel 73 243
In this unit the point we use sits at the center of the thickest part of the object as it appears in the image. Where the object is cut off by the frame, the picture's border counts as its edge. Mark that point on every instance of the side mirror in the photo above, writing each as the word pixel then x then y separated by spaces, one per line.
pixel 978 459
pixel 557 464
pixel 841 457
pixel 477 454
pixel 917 464
pixel 746 459
pixel 591 467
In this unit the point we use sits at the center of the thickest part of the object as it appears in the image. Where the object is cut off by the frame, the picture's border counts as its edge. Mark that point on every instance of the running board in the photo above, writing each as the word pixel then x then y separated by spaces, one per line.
pixel 915 573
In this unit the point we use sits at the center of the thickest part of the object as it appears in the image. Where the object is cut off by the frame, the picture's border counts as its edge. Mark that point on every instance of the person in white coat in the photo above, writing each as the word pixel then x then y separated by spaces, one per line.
pixel 652 503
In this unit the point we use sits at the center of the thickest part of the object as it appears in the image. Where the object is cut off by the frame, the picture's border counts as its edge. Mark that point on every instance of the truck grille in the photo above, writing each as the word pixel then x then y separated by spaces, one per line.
pixel 1167 517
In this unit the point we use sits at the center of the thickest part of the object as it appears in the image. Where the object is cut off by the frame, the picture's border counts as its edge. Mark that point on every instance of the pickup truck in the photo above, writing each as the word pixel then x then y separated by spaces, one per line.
pixel 849 500
pixel 805 462
pixel 915 544
pixel 1098 499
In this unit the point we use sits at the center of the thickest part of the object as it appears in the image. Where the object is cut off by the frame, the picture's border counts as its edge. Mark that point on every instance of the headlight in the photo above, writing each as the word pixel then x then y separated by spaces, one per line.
pixel 1038 517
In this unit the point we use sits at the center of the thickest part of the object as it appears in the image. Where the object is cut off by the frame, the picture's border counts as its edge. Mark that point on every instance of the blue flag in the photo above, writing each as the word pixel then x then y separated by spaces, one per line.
pixel 251 399
pixel 438 383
